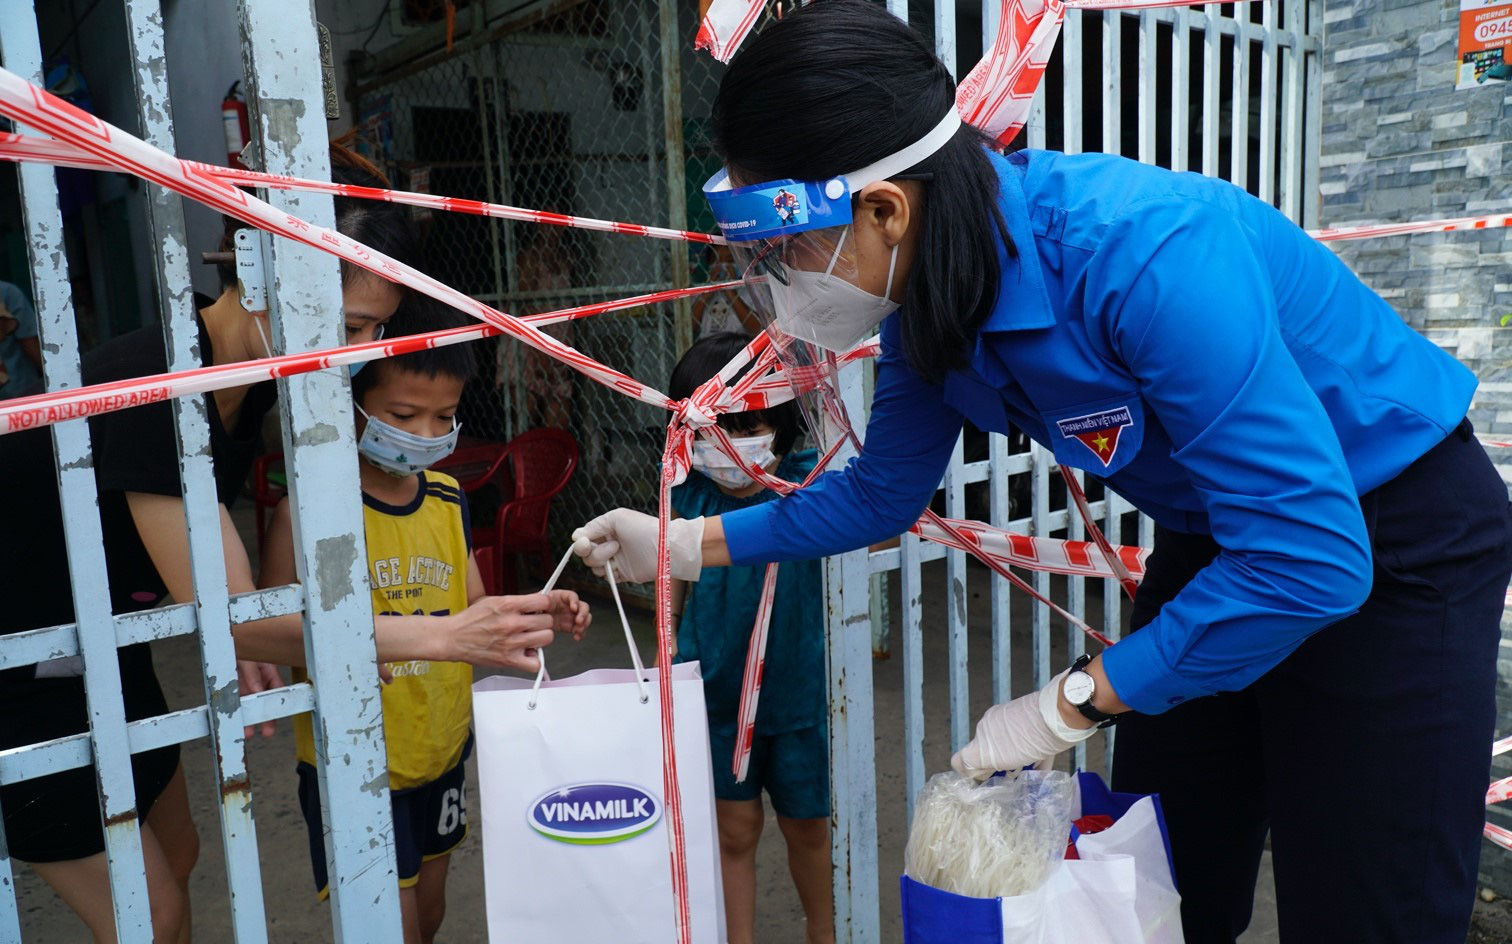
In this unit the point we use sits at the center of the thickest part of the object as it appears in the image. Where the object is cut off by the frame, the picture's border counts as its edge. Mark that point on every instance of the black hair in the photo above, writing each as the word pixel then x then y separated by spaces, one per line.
pixel 706 358
pixel 420 314
pixel 378 225
pixel 838 85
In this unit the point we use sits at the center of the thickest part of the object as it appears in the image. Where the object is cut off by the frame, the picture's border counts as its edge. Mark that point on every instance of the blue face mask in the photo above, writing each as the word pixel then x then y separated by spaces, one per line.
pixel 400 453
pixel 352 369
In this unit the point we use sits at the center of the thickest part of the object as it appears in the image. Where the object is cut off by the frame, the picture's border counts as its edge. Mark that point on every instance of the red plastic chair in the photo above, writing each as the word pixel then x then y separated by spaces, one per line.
pixel 266 491
pixel 540 462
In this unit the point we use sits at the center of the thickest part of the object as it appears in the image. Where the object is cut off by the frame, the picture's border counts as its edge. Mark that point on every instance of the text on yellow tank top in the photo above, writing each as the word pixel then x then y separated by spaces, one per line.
pixel 417 564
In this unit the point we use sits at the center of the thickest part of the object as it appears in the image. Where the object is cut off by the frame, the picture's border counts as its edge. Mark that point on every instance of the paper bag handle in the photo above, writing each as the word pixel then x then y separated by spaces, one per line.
pixel 640 669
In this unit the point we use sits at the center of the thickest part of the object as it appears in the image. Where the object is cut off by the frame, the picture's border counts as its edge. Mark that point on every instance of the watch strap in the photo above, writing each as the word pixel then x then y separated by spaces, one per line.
pixel 1101 718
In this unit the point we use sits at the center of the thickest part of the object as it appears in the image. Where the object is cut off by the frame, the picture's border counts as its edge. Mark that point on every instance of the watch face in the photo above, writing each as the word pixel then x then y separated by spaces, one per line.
pixel 1079 688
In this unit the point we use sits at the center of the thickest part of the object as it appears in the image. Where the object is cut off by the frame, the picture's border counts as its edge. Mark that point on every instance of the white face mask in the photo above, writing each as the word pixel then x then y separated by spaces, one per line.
pixel 826 309
pixel 719 467
pixel 400 453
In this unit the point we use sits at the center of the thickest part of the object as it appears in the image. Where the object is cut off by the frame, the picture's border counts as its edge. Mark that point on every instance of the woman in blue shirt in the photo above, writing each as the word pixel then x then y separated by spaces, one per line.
pixel 1333 545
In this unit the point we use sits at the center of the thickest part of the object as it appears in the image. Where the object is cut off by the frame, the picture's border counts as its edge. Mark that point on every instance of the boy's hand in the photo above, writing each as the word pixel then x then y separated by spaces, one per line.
pixel 503 632
pixel 571 614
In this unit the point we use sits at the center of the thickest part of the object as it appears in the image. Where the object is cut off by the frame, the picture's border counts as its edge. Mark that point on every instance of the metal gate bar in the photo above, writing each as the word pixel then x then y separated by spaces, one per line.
pixel 20 49
pixel 282 62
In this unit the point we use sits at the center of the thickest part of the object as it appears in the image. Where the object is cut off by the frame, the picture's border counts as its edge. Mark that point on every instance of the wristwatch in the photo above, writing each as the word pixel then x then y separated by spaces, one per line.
pixel 1079 689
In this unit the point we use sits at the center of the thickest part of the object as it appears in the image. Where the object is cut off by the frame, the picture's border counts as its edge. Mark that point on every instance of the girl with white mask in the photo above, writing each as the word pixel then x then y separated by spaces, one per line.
pixel 789 751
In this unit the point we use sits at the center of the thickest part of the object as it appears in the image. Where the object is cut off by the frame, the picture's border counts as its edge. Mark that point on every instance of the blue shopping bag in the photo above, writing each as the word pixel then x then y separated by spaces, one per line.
pixel 1121 891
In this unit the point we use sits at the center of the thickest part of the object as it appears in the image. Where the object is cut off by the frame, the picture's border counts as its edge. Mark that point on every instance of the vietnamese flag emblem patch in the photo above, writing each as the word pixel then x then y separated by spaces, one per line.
pixel 1099 431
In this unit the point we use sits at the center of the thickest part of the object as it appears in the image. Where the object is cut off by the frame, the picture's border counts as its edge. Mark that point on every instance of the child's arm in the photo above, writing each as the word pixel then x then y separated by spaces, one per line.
pixel 160 523
pixel 475 591
pixel 277 565
pixel 499 632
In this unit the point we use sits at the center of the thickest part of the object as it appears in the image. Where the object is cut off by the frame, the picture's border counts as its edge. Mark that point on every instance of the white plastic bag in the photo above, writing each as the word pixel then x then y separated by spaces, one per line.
pixel 1119 891
pixel 989 840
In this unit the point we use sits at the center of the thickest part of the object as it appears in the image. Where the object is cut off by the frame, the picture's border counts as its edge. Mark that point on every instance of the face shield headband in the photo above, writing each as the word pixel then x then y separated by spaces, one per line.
pixel 790 239
pixel 794 243
pixel 788 207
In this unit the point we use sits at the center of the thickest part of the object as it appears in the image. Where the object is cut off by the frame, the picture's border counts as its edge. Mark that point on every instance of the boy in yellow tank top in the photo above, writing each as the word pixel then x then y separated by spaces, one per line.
pixel 419 563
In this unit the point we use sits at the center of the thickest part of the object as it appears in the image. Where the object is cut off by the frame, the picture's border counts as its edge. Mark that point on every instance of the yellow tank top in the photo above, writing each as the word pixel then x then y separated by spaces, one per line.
pixel 417 563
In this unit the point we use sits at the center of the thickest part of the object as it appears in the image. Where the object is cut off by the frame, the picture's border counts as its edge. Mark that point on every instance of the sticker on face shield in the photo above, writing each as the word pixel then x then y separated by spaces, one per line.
pixel 777 208
pixel 789 208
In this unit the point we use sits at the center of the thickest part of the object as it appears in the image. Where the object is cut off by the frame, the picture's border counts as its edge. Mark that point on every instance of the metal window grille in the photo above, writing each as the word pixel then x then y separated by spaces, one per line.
pixel 282 72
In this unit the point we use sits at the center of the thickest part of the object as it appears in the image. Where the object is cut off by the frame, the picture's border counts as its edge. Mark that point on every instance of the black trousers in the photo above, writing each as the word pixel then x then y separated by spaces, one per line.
pixel 1366 753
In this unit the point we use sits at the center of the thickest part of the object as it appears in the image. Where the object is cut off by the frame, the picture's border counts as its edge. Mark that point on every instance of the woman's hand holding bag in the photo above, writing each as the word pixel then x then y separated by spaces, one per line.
pixel 628 538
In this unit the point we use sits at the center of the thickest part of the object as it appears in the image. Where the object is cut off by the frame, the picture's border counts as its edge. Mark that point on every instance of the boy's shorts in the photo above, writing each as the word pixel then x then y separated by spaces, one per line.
pixel 793 768
pixel 429 821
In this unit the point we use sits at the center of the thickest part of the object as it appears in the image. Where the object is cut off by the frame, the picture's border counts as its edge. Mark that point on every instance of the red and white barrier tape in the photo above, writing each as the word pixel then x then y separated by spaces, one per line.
pixel 1050 555
pixel 1376 230
pixel 1110 555
pixel 1499 790
pixel 677 437
pixel 16 147
pixel 725 26
pixel 1499 835
pixel 997 94
pixel 750 681
pixel 44 409
pixel 24 102
pixel 727 23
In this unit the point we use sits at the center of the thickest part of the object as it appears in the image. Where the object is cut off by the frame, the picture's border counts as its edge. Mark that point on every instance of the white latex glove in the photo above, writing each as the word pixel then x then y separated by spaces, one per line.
pixel 628 539
pixel 1027 730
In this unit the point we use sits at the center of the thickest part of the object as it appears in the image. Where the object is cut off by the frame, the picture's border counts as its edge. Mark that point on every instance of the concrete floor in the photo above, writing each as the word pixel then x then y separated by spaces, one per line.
pixel 295 916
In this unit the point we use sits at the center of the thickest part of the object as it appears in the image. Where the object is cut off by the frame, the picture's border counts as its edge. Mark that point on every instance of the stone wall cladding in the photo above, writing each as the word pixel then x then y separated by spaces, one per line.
pixel 1401 143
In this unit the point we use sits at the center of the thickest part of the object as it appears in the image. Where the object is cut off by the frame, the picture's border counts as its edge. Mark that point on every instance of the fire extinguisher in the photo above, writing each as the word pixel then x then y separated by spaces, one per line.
pixel 234 117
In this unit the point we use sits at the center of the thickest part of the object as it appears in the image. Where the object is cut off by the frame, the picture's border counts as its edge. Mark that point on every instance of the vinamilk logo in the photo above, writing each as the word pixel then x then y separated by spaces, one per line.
pixel 594 814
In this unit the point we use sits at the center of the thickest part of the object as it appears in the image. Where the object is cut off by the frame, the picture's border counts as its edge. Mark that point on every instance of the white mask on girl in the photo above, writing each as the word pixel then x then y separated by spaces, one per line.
pixel 722 470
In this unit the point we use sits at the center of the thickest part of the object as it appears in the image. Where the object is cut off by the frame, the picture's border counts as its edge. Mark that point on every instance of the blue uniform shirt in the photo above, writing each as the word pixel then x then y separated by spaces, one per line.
pixel 1202 355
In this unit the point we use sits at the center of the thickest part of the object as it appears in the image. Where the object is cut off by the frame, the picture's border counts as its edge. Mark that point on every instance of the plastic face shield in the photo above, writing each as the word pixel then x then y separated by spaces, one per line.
pixel 792 242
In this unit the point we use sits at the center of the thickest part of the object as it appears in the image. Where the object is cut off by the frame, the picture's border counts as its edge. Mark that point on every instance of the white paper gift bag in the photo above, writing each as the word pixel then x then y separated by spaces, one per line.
pixel 575 840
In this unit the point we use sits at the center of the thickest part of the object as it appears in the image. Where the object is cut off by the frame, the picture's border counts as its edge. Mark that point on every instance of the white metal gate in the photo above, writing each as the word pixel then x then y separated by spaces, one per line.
pixel 1158 82
pixel 1230 90
pixel 282 66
